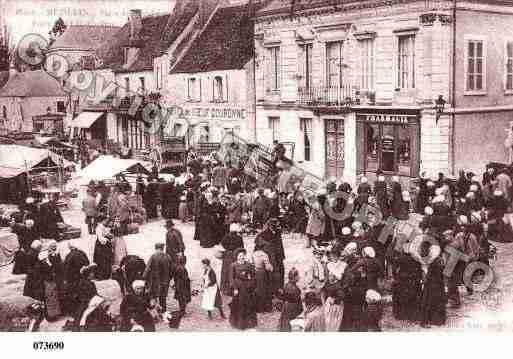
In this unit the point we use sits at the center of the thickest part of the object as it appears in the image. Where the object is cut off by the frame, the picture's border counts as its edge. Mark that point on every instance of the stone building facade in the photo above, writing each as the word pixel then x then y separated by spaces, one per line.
pixel 354 84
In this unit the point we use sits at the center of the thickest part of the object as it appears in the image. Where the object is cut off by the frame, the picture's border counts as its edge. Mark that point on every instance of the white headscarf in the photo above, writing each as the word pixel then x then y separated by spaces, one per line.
pixel 369 252
pixel 350 248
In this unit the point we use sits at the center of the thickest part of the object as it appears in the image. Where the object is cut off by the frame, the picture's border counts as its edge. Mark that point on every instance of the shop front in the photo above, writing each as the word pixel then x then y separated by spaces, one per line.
pixel 388 141
pixel 205 125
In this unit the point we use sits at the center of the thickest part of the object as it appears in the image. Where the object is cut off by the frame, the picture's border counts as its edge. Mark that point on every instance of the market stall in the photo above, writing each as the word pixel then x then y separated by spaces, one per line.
pixel 23 168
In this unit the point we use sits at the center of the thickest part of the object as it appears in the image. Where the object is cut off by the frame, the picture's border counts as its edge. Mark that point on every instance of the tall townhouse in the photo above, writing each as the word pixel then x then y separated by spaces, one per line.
pixel 362 86
pixel 212 85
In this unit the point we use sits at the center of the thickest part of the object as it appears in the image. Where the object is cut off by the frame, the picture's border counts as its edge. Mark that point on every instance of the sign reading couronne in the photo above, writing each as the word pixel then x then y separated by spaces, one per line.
pixel 218 113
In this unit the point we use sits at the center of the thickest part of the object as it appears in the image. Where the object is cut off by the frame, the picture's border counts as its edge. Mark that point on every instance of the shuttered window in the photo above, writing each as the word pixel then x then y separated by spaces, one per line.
pixel 305 65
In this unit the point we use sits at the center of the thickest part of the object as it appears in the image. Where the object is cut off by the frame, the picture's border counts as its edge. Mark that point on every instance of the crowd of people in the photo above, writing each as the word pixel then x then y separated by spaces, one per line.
pixel 358 259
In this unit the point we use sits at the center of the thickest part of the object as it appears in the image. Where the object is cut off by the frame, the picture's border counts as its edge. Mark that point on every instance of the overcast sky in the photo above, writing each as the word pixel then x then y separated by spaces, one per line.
pixel 38 16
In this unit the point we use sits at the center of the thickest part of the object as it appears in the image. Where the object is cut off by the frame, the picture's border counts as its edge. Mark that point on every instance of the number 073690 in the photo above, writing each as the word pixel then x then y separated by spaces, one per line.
pixel 48 345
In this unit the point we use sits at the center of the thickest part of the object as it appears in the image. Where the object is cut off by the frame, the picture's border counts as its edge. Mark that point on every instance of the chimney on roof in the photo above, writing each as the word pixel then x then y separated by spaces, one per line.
pixel 135 21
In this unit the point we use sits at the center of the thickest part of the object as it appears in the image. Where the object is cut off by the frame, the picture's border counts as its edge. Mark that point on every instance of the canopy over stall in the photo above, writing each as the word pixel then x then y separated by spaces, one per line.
pixel 86 119
pixel 106 168
pixel 16 159
pixel 18 164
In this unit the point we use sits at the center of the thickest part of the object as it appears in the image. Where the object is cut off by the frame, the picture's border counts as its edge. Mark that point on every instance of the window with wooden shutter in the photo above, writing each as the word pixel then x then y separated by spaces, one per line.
pixel 334 64
pixel 275 68
pixel 406 62
pixel 360 147
pixel 508 85
pixel 305 65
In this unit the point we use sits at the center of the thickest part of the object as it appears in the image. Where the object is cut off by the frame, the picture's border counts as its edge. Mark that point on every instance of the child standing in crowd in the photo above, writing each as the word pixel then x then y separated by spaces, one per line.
pixel 182 284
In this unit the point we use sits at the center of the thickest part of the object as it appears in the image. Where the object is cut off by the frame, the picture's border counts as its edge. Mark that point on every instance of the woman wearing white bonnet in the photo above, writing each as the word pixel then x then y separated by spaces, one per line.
pixel 235 227
pixel 369 252
pixel 428 211
pixel 433 304
pixel 350 249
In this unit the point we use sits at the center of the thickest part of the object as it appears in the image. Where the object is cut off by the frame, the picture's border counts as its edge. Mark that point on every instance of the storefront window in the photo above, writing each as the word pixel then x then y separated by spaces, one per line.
pixel 388 148
pixel 388 143
pixel 404 150
pixel 372 140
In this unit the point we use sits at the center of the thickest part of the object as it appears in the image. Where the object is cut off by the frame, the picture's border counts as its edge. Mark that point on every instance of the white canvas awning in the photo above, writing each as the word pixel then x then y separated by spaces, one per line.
pixel 86 119
pixel 107 167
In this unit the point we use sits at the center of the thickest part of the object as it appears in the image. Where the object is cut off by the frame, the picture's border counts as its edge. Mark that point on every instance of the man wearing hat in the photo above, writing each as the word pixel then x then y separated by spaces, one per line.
pixel 364 191
pixel 261 206
pixel 170 198
pixel 158 275
pixel 50 217
pixel 174 241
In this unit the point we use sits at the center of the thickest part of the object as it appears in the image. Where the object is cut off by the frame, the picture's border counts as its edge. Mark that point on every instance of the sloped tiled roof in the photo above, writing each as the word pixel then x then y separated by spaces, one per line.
pixel 225 43
pixel 112 54
pixel 32 84
pixel 84 37
pixel 182 15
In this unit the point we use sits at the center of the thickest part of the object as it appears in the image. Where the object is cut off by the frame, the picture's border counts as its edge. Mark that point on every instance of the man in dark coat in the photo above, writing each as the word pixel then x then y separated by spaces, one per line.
pixel 158 275
pixel 151 198
pixel 174 241
pixel 50 217
pixel 170 199
pixel 364 191
pixel 260 208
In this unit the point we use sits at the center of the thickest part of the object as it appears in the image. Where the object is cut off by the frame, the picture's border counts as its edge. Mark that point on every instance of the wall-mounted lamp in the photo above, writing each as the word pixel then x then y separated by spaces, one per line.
pixel 439 106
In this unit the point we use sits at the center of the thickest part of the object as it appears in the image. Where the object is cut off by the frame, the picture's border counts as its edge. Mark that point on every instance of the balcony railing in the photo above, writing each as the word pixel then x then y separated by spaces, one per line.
pixel 327 96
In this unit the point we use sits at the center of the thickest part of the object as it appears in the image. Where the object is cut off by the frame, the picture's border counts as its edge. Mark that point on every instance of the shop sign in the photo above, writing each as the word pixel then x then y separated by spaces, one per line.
pixel 382 118
pixel 216 113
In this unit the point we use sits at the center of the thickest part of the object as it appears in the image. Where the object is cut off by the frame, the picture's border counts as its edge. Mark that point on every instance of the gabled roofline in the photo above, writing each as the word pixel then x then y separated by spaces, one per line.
pixel 193 40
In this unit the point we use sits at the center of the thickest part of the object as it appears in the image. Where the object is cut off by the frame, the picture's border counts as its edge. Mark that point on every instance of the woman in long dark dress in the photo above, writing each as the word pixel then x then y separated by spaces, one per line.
pixel 200 205
pixel 396 203
pixel 434 299
pixel 207 236
pixel 243 306
pixel 381 193
pixel 27 234
pixel 85 290
pixel 135 309
pixel 52 271
pixel 292 305
pixel 263 278
pixel 354 299
pixel 230 243
pixel 218 212
pixel 407 287
pixel 103 252
pixel 34 284
pixel 422 199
